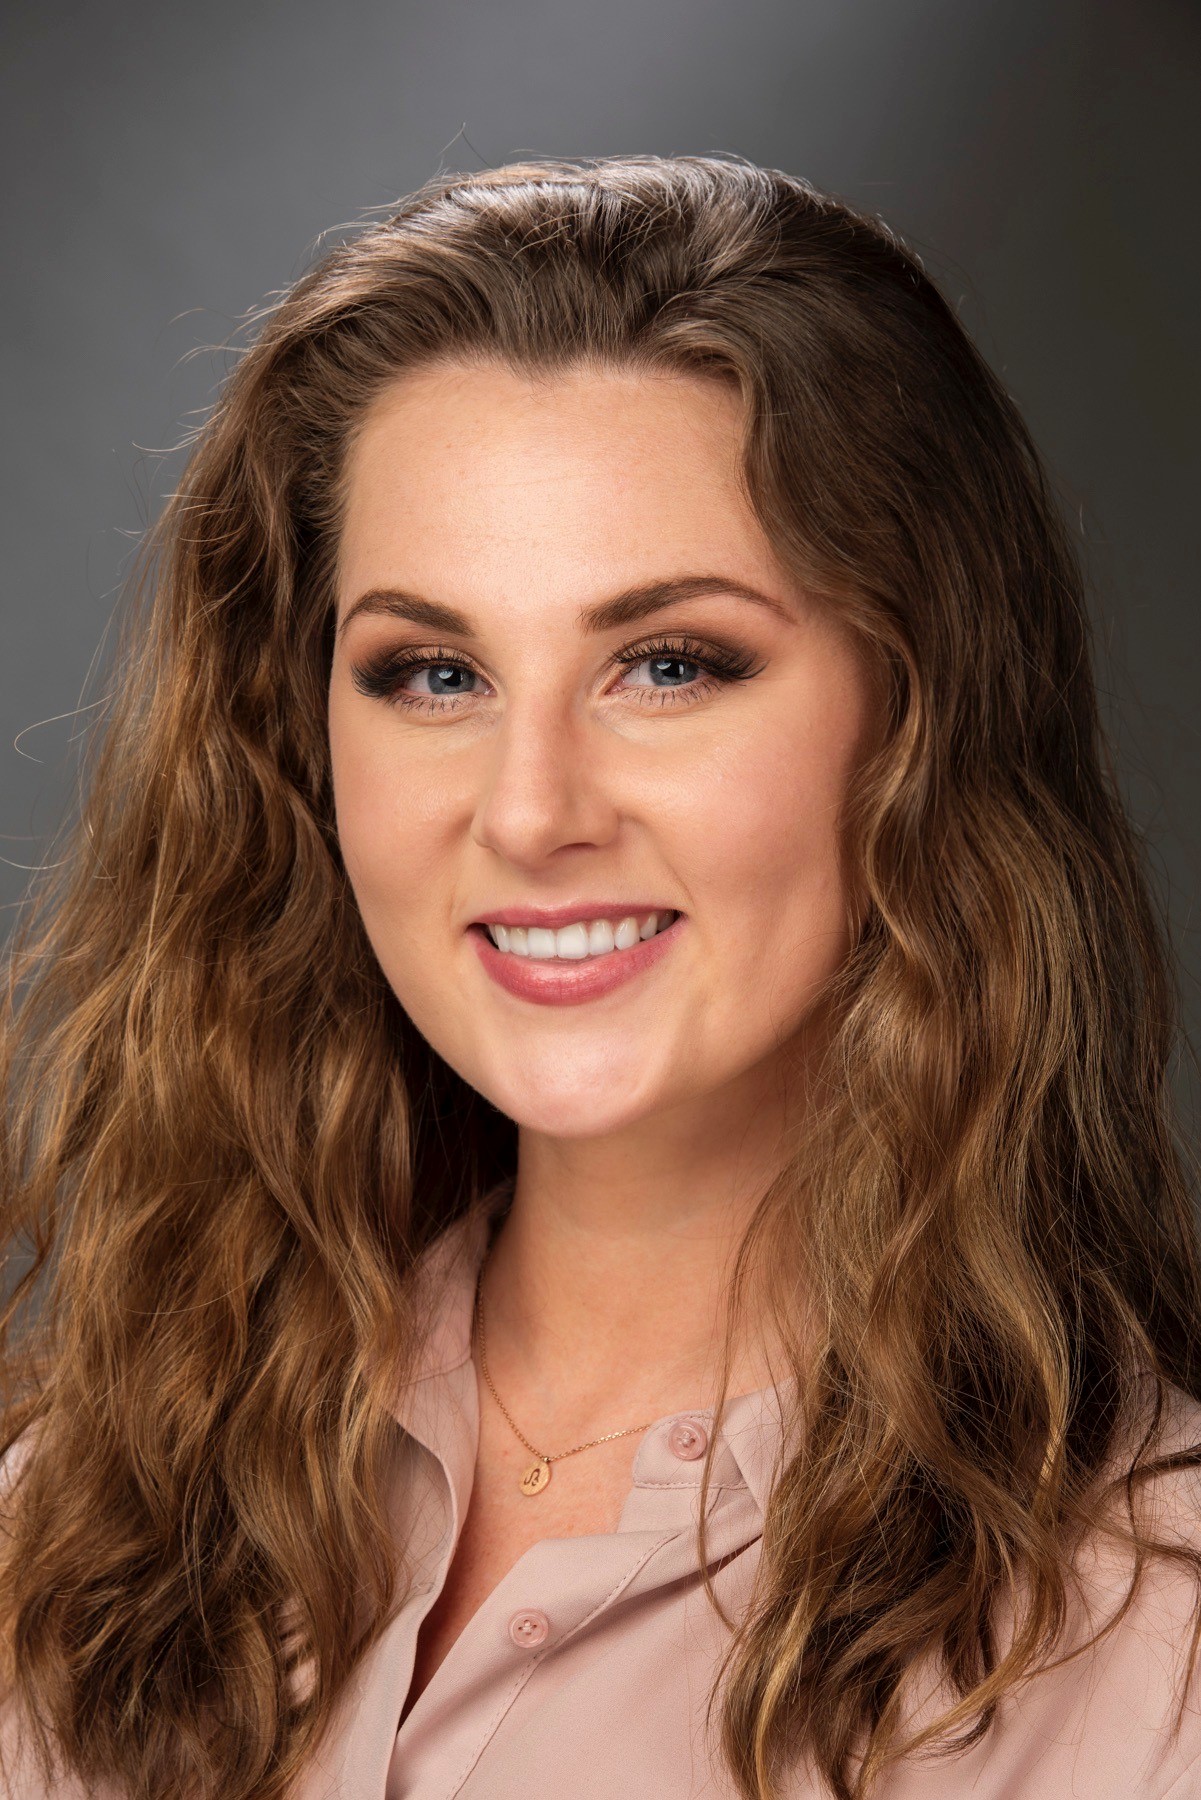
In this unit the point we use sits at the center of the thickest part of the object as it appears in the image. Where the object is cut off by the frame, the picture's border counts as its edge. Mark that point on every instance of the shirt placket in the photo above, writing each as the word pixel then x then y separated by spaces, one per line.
pixel 556 1592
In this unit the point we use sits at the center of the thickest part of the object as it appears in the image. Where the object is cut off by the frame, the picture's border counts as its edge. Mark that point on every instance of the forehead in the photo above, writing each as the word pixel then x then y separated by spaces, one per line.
pixel 471 477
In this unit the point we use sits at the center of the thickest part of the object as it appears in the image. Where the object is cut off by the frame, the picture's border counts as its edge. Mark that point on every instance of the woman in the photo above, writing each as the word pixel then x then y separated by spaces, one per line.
pixel 591 1108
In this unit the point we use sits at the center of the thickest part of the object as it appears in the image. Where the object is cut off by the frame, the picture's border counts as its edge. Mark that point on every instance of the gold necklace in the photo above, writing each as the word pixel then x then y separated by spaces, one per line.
pixel 537 1475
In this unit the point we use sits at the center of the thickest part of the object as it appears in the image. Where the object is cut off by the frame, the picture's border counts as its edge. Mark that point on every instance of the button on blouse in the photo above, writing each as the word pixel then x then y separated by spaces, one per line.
pixel 688 1441
pixel 529 1629
pixel 586 1673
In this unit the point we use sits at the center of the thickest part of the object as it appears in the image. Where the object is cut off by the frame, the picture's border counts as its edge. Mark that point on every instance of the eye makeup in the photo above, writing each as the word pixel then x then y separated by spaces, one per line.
pixel 381 677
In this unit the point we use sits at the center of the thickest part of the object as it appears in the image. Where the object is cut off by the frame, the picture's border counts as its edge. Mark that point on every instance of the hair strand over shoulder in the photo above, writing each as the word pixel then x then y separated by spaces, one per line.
pixel 223 1147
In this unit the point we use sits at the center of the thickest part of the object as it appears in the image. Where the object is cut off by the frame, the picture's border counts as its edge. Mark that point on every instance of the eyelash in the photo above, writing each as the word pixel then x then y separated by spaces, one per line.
pixel 379 678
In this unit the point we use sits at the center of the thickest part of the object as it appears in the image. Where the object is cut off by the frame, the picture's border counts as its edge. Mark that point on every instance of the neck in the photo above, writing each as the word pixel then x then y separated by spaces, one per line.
pixel 607 1287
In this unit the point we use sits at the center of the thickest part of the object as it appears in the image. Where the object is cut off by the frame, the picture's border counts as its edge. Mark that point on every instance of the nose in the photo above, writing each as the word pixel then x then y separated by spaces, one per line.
pixel 545 785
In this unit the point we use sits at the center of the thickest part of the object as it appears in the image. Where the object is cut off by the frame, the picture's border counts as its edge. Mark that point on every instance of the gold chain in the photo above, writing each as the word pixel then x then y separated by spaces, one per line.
pixel 537 1476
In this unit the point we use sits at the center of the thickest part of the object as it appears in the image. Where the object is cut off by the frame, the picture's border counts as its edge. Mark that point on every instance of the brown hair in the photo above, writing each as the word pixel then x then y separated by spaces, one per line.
pixel 224 1144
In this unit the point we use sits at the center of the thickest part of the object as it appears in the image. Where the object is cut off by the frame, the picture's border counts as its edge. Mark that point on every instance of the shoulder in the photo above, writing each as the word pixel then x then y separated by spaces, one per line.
pixel 1114 1712
pixel 1128 1687
pixel 1135 1586
pixel 1151 1498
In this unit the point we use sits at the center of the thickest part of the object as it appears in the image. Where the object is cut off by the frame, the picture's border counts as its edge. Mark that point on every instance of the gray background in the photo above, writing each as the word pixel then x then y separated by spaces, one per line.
pixel 166 167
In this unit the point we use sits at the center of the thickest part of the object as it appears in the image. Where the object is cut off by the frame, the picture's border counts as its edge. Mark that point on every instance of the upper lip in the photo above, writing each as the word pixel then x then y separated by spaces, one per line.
pixel 552 917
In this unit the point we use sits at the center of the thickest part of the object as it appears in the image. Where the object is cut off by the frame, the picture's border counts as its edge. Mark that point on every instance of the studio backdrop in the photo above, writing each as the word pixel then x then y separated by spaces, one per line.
pixel 167 168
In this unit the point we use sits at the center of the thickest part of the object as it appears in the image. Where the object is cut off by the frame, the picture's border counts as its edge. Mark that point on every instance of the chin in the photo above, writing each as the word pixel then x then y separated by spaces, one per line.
pixel 560 1108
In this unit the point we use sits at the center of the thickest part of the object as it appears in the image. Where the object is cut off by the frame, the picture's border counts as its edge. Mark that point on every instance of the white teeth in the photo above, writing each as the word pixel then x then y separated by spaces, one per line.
pixel 600 938
pixel 626 935
pixel 595 937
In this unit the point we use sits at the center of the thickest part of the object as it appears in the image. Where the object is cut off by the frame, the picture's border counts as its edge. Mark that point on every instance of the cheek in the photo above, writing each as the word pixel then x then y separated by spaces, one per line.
pixel 767 829
pixel 388 831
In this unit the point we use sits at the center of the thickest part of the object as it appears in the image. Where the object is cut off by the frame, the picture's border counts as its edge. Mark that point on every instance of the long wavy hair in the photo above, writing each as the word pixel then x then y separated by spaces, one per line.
pixel 224 1146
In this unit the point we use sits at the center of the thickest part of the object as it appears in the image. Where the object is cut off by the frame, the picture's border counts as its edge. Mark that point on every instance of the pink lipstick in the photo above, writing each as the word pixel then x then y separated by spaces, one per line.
pixel 555 981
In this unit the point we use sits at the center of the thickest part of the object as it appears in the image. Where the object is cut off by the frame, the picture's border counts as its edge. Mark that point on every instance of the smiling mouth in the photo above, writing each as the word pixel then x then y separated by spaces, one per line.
pixel 583 940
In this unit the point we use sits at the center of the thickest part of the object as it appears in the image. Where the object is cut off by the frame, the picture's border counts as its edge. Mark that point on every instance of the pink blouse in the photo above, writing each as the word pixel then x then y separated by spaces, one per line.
pixel 585 1673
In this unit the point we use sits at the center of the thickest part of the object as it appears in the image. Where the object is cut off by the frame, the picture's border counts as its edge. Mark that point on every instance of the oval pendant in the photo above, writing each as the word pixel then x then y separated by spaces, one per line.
pixel 535 1478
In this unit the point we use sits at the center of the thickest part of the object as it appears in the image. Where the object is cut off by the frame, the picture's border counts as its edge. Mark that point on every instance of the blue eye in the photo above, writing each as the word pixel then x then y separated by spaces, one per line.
pixel 717 664
pixel 443 677
pixel 662 668
pixel 384 677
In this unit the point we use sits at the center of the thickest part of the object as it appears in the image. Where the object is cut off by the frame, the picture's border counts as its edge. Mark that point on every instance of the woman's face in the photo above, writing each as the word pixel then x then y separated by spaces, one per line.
pixel 534 579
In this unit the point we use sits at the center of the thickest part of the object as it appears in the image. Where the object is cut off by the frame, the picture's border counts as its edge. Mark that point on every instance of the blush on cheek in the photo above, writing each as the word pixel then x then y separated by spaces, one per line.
pixel 774 847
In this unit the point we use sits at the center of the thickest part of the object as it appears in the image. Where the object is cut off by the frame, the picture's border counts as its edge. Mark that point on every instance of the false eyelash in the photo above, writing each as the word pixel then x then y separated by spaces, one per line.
pixel 718 659
pixel 379 677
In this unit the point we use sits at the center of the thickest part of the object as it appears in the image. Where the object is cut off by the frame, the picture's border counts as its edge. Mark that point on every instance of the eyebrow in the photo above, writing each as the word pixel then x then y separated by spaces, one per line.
pixel 625 608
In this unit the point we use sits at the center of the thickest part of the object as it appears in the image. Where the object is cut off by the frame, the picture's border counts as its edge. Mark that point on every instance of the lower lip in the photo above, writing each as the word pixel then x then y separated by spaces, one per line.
pixel 558 982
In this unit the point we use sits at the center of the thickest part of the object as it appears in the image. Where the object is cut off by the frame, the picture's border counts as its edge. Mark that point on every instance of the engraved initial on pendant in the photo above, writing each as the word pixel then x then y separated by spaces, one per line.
pixel 535 1478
